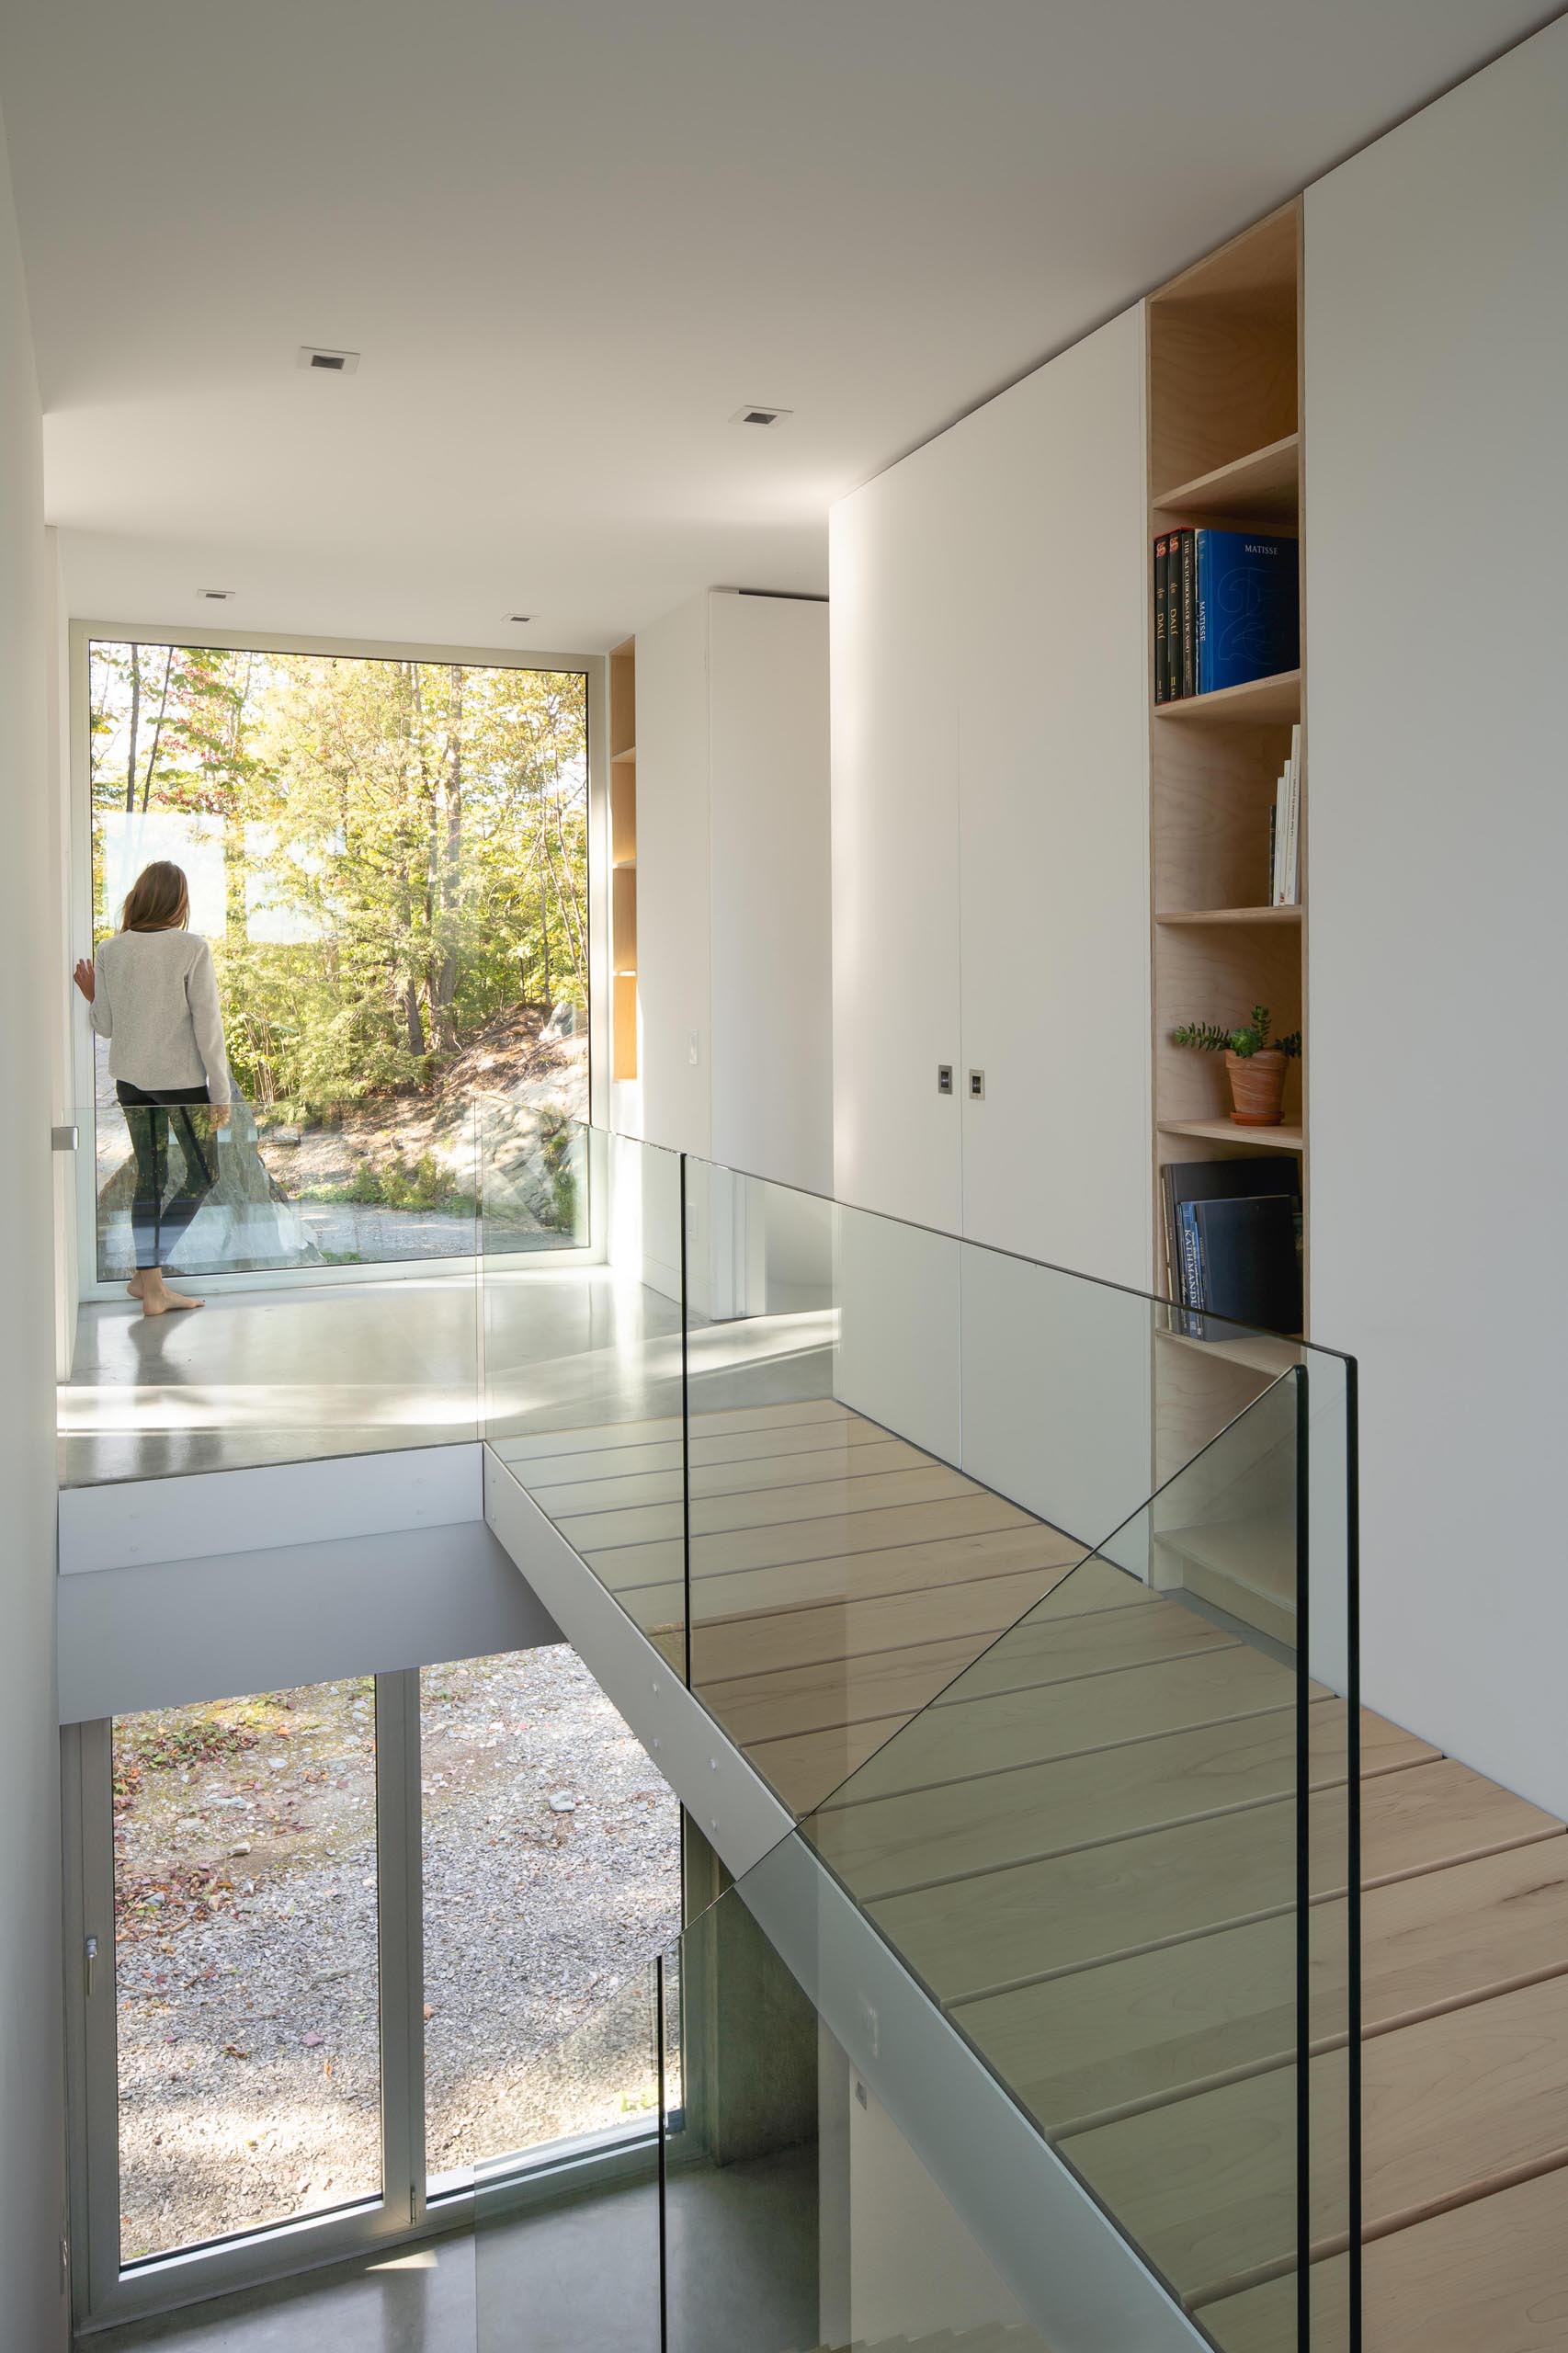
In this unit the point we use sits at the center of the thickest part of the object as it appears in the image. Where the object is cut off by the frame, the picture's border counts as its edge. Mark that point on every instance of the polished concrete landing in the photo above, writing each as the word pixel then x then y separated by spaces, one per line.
pixel 741 2271
pixel 294 1374
pixel 270 1376
pixel 420 2300
pixel 319 1369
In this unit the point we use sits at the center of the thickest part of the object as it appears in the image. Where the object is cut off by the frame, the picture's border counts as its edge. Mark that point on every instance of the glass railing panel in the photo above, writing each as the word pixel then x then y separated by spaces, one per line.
pixel 567 2228
pixel 582 1347
pixel 313 1338
pixel 830 1527
pixel 1118 1848
pixel 897 1444
pixel 801 2201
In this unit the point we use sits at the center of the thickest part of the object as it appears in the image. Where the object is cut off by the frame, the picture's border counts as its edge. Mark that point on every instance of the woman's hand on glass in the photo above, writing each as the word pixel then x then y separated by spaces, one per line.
pixel 85 977
pixel 220 1112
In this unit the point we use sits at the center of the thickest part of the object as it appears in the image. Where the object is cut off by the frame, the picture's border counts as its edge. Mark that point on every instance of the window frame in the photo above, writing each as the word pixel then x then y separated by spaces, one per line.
pixel 402 2213
pixel 594 668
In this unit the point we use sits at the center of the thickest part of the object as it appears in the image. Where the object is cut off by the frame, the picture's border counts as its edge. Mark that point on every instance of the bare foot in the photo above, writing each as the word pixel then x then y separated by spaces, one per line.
pixel 136 1284
pixel 162 1300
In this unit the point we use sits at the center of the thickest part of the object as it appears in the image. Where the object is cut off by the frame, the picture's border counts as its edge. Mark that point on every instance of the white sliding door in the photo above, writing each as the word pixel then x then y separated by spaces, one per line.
pixel 1053 813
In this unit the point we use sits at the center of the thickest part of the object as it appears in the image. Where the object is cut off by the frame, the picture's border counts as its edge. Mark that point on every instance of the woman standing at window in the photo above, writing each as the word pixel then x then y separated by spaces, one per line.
pixel 152 992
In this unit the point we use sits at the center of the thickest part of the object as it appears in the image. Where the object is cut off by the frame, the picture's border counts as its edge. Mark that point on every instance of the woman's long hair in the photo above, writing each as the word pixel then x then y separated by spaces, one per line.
pixel 159 899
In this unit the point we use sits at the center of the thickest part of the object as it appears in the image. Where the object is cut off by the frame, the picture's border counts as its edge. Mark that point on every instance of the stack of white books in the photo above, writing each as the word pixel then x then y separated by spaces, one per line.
pixel 1285 886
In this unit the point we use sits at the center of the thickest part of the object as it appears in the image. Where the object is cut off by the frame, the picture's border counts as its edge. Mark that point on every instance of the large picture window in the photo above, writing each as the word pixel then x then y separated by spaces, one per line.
pixel 390 862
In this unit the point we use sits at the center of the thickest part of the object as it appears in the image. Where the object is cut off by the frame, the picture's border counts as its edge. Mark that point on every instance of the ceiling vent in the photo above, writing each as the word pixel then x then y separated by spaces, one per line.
pixel 335 363
pixel 519 617
pixel 755 414
pixel 217 596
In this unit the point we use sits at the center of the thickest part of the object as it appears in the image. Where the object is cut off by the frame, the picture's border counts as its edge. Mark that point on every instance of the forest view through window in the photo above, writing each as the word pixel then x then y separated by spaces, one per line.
pixel 390 862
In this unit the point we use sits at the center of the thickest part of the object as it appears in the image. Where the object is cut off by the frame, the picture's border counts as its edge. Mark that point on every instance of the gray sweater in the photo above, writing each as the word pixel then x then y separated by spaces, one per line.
pixel 155 999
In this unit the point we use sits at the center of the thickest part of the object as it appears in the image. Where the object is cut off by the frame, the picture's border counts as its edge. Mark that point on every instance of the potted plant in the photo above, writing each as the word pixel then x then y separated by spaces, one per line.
pixel 1257 1067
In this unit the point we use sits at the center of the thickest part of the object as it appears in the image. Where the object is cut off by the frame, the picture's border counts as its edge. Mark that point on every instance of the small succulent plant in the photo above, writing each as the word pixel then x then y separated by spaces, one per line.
pixel 1253 1038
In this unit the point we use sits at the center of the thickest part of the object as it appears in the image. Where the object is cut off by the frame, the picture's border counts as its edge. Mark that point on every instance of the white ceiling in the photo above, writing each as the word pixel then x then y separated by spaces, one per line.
pixel 570 237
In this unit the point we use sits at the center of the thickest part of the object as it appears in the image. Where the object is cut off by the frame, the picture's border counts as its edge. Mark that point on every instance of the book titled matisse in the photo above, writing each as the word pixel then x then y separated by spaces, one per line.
pixel 1247 616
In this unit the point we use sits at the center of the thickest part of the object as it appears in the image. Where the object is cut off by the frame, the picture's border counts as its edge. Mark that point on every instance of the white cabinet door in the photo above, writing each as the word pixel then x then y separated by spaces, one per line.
pixel 1053 799
pixel 895 930
pixel 1437 350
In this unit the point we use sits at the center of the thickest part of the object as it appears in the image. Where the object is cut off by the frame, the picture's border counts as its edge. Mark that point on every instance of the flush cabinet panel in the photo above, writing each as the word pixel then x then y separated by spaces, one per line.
pixel 1053 823
pixel 896 933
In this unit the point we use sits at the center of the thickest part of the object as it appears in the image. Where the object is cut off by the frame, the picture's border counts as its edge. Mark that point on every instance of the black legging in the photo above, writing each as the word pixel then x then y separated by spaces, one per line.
pixel 156 1225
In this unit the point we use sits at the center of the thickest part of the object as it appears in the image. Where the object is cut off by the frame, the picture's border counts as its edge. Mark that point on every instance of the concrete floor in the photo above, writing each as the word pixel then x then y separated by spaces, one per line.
pixel 322 1369
pixel 740 2266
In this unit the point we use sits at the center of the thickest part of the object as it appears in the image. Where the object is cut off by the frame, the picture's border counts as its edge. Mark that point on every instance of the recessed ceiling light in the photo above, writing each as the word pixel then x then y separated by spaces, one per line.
pixel 334 363
pixel 217 596
pixel 755 414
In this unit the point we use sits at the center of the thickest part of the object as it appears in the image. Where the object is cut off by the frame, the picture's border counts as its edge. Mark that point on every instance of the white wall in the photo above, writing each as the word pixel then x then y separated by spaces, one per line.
pixel 674 910
pixel 1437 387
pixel 32 973
pixel 772 924
pixel 169 1633
pixel 914 2266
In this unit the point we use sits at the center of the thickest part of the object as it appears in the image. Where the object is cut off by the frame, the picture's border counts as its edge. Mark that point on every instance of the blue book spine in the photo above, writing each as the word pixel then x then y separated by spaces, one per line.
pixel 1191 1263
pixel 1248 614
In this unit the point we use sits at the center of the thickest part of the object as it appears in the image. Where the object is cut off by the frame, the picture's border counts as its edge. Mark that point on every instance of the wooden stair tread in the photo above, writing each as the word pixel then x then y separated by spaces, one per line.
pixel 1032 1656
pixel 837 1691
pixel 521 1445
pixel 616 1461
pixel 1027 1920
pixel 806 1767
pixel 1453 2107
pixel 1048 1650
pixel 974 1736
pixel 1489 2277
pixel 830 1499
pixel 762 1642
pixel 1158 2025
pixel 757 1477
pixel 976 1826
pixel 973 1514
pixel 891 1573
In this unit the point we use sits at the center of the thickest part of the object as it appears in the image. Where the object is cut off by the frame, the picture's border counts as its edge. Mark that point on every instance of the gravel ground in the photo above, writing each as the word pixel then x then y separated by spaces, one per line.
pixel 246 1937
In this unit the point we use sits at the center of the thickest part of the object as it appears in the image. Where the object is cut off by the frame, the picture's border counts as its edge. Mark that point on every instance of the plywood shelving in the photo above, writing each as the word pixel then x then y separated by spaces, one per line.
pixel 1226 448
pixel 623 858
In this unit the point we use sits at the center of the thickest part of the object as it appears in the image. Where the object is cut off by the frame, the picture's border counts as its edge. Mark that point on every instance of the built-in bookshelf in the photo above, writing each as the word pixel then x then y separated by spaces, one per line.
pixel 623 858
pixel 1225 450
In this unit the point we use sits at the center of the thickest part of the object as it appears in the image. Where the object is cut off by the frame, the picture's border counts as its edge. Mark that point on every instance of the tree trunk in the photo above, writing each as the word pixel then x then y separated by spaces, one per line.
pixel 412 1016
pixel 130 758
pixel 444 988
pixel 157 732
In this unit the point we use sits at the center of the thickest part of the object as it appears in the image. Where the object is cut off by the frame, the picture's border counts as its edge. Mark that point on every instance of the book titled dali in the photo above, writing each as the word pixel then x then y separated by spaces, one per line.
pixel 1246 620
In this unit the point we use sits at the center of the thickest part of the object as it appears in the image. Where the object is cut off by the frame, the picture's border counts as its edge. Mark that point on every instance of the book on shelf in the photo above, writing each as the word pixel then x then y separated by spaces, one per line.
pixel 1285 831
pixel 1225 1253
pixel 1247 613
pixel 1188 613
pixel 1225 609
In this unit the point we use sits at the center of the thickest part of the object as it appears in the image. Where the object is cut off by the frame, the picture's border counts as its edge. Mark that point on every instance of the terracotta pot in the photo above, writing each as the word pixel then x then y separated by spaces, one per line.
pixel 1257 1087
